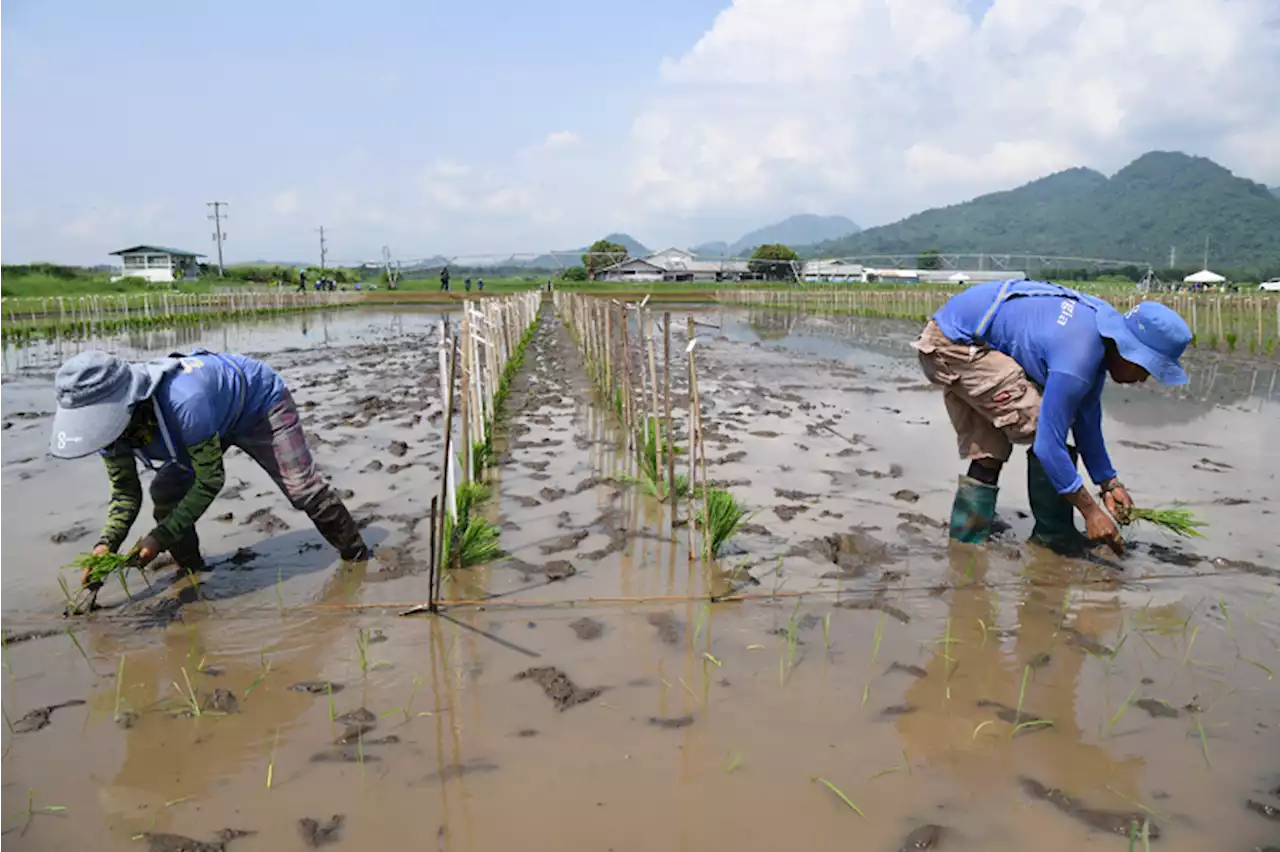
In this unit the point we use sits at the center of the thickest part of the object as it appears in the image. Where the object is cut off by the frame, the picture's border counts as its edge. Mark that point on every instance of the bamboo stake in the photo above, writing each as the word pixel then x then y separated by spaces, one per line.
pixel 693 446
pixel 666 402
pixel 654 423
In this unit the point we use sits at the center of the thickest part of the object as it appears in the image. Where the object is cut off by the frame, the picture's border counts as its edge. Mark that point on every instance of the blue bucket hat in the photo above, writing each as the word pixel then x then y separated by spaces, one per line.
pixel 96 395
pixel 1151 336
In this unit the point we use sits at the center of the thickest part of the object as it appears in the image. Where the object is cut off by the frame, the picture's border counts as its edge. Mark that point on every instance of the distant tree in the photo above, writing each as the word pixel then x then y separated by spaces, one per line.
pixel 602 254
pixel 574 273
pixel 929 260
pixel 773 261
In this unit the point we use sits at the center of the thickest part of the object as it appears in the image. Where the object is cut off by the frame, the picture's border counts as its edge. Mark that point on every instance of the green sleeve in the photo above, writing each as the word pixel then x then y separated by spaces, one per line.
pixel 126 499
pixel 206 462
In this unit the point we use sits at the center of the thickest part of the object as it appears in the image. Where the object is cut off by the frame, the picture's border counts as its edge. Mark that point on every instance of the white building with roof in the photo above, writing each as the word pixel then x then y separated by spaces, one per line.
pixel 158 264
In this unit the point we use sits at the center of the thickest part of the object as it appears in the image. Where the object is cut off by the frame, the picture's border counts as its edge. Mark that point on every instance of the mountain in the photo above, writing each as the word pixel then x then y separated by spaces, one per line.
pixel 1275 190
pixel 634 247
pixel 801 230
pixel 715 248
pixel 1161 199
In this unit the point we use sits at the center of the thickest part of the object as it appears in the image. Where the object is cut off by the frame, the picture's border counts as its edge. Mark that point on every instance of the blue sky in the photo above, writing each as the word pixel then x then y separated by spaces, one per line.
pixel 504 127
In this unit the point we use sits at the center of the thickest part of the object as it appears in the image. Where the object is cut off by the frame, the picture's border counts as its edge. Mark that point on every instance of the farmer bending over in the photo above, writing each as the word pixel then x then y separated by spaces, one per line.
pixel 178 415
pixel 1024 362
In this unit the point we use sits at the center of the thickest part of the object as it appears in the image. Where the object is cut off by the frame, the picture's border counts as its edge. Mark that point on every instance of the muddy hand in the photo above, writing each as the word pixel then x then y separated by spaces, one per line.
pixel 1118 502
pixel 1102 530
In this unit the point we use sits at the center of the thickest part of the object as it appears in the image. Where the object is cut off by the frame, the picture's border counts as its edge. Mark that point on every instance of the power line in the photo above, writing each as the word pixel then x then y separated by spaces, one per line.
pixel 216 216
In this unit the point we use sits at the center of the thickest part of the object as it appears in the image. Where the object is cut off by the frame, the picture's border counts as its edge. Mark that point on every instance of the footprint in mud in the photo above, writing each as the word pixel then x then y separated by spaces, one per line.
pixel 225 517
pixel 670 628
pixel 454 771
pixel 788 494
pixel 316 687
pixel 316 834
pixel 923 838
pixel 551 495
pixel 557 686
pixel 1076 639
pixel 565 542
pixel 36 719
pixel 398 449
pixel 877 604
pixel 346 754
pixel 671 722
pixel 1112 822
pixel 158 842
pixel 266 521
pixel 220 701
pixel 372 467
pixel 1263 809
pixel 914 671
pixel 906 495
pixel 1031 721
pixel 72 533
pixel 587 628
pixel 1040 660
pixel 1156 708
pixel 895 710
pixel 786 512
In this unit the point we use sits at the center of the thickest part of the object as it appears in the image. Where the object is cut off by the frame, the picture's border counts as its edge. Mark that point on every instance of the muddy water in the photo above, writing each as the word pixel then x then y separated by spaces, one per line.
pixel 927 682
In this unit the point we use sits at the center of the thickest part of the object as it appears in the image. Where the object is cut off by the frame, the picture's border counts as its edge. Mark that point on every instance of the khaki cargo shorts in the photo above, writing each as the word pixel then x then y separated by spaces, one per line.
pixel 992 403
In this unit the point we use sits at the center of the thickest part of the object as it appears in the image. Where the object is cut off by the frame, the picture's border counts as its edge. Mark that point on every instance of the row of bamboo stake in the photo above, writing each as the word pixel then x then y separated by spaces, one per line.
pixel 72 310
pixel 1234 320
pixel 617 343
pixel 473 356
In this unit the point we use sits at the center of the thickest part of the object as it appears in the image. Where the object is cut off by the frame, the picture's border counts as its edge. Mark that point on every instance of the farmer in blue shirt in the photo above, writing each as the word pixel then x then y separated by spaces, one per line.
pixel 1024 362
pixel 177 415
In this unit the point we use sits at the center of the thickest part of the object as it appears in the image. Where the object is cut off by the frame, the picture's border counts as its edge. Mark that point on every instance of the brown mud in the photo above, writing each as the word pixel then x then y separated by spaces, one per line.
pixel 659 706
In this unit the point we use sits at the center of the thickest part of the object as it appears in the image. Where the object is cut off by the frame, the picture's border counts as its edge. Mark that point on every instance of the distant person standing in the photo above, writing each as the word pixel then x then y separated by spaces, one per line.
pixel 302 280
pixel 444 280
pixel 480 284
pixel 466 284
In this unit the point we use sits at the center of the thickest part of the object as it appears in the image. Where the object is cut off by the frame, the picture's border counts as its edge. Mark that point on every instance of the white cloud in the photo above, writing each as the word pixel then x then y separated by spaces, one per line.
pixel 286 202
pixel 560 139
pixel 882 107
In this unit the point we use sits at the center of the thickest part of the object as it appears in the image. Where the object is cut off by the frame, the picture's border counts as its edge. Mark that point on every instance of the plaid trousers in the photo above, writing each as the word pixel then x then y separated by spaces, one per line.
pixel 279 445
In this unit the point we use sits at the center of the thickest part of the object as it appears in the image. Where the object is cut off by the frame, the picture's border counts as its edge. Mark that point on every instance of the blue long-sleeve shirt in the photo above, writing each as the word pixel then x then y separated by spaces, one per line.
pixel 1055 339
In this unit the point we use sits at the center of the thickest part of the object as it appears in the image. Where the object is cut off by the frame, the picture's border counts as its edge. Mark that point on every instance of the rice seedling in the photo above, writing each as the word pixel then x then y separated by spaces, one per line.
pixel 731 762
pixel 264 669
pixel 703 612
pixel 100 566
pixel 725 516
pixel 478 543
pixel 271 758
pixel 74 641
pixel 1256 663
pixel 977 730
pixel 1204 740
pixel 1179 522
pixel 31 811
pixel 333 712
pixel 826 632
pixel 280 588
pixel 840 793
pixel 362 648
pixel 1124 708
pixel 1022 692
pixel 189 696
pixel 115 715
pixel 407 709
pixel 789 641
pixel 875 652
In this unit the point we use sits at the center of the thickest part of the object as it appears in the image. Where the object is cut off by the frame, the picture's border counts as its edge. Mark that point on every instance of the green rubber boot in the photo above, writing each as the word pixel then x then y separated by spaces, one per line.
pixel 1055 518
pixel 973 510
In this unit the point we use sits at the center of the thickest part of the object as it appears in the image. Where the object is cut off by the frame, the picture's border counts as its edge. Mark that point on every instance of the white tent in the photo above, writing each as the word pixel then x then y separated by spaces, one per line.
pixel 959 276
pixel 1204 276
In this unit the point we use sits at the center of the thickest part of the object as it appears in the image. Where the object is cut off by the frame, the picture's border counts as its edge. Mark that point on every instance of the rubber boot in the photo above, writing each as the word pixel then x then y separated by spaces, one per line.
pixel 335 523
pixel 973 510
pixel 1055 518
pixel 167 490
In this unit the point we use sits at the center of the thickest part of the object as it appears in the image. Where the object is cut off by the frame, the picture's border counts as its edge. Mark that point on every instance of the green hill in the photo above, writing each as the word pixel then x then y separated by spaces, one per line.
pixel 1161 199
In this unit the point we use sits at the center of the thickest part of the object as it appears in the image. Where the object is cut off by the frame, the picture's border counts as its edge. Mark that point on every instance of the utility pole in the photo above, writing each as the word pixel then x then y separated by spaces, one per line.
pixel 1173 256
pixel 216 216
pixel 323 250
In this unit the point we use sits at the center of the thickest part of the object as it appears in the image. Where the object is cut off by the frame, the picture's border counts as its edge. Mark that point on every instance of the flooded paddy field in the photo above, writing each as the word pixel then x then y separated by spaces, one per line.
pixel 846 679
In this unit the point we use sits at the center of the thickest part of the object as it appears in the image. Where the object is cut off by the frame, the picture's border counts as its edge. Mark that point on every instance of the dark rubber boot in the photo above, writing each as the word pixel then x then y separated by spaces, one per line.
pixel 335 523
pixel 973 510
pixel 167 490
pixel 1055 518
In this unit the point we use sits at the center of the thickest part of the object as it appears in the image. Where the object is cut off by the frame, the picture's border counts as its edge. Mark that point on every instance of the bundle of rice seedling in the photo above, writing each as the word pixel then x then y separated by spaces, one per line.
pixel 1180 522
pixel 725 516
pixel 100 566
pixel 478 543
